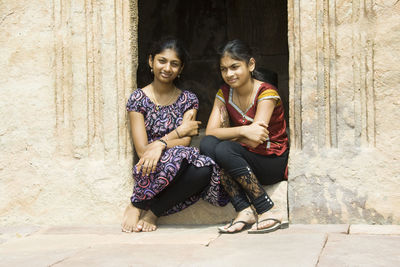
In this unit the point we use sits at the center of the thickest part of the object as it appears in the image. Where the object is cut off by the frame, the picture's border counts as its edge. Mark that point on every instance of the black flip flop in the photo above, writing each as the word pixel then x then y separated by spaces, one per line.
pixel 246 226
pixel 276 226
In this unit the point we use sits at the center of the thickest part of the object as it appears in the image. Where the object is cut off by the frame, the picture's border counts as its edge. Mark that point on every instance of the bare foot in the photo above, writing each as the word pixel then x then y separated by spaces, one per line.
pixel 267 223
pixel 131 218
pixel 147 223
pixel 246 215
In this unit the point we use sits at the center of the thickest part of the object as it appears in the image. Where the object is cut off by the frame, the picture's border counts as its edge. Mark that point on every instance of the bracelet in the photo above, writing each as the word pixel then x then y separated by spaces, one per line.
pixel 162 141
pixel 176 130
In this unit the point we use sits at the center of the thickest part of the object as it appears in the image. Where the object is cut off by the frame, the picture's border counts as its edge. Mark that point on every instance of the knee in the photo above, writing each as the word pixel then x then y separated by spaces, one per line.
pixel 223 150
pixel 207 146
pixel 201 176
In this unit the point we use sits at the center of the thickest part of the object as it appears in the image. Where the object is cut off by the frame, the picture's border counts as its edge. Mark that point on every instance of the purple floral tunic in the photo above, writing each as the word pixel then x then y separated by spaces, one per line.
pixel 159 122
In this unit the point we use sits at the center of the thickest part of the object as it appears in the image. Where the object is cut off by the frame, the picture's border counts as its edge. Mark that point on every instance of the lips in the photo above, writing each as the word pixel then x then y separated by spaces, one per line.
pixel 165 75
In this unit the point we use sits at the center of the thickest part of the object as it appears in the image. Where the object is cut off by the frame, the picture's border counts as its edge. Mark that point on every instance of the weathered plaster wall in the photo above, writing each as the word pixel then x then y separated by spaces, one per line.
pixel 67 68
pixel 344 110
pixel 65 73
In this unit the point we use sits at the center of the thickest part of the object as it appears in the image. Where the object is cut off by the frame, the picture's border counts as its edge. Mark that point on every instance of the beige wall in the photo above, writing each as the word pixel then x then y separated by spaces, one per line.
pixel 66 71
pixel 344 109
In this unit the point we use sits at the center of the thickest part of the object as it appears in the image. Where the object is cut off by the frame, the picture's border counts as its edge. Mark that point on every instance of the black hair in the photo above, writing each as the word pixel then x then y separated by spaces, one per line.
pixel 173 44
pixel 239 50
pixel 170 43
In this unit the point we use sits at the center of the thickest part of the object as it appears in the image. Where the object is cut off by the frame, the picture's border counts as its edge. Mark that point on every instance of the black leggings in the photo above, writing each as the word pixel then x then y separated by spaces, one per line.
pixel 189 180
pixel 246 170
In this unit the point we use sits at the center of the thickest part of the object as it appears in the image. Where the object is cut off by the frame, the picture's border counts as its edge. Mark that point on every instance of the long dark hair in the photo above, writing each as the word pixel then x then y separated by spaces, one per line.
pixel 239 50
pixel 173 44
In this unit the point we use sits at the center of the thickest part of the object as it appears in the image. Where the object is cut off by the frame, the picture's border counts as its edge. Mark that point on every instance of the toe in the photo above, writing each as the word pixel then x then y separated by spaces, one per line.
pixel 266 224
pixel 139 226
pixel 125 228
pixel 235 227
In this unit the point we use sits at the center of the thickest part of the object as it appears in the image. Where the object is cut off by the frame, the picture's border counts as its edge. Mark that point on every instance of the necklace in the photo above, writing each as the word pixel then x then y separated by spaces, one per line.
pixel 157 103
pixel 247 102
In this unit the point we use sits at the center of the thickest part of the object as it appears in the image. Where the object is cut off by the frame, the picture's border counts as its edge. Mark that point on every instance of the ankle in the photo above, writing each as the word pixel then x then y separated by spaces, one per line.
pixel 247 211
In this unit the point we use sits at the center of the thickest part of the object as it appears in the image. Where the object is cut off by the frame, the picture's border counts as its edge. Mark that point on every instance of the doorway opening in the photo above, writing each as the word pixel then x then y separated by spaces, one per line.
pixel 205 25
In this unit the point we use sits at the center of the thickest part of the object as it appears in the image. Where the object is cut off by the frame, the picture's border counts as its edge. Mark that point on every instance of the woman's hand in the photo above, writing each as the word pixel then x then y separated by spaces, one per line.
pixel 256 132
pixel 148 161
pixel 189 126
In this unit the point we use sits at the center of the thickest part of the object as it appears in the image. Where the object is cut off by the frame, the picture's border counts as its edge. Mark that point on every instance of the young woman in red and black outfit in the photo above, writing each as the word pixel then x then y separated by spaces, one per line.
pixel 246 136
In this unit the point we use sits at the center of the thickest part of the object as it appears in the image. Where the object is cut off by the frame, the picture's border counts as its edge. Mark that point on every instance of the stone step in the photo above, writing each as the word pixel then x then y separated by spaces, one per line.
pixel 204 213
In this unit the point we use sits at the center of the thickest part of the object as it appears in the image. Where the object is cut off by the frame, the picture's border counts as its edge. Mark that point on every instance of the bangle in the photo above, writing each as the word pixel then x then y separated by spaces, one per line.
pixel 162 141
pixel 176 130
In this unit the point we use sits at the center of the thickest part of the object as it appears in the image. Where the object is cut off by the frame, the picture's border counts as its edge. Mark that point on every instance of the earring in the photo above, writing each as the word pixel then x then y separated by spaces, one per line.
pixel 251 73
pixel 179 76
pixel 151 70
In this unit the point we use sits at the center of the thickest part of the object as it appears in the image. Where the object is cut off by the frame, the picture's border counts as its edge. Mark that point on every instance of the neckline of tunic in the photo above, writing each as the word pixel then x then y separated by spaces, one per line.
pixel 161 106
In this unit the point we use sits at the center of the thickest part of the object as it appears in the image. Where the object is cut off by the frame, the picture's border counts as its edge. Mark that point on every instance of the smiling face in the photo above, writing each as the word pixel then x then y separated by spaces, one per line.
pixel 166 66
pixel 236 73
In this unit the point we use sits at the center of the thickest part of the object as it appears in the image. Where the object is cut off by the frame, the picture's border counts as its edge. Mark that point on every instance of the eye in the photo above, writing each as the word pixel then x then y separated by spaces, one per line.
pixel 223 69
pixel 175 64
pixel 162 60
pixel 234 67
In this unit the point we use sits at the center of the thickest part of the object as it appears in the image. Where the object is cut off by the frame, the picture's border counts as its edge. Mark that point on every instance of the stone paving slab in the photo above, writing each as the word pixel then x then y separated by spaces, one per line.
pixel 33 258
pixel 361 250
pixel 300 245
pixel 227 250
pixel 17 231
pixel 275 249
pixel 317 228
pixel 55 244
pixel 137 255
pixel 374 229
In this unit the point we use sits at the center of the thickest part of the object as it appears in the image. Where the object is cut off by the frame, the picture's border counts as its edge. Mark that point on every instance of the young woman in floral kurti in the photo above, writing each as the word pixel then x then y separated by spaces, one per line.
pixel 170 175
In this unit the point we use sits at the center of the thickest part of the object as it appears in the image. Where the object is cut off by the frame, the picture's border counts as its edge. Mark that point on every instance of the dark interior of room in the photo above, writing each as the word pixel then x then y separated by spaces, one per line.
pixel 205 25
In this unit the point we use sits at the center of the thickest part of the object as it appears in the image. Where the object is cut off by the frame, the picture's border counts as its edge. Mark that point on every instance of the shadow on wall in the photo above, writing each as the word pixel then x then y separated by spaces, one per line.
pixel 205 25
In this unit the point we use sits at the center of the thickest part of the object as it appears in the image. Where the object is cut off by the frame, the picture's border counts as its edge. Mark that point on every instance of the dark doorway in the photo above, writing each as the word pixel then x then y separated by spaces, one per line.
pixel 204 25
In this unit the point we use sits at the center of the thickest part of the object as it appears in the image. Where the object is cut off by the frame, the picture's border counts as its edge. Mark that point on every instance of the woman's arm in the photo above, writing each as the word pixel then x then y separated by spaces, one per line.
pixel 138 130
pixel 263 115
pixel 254 134
pixel 214 126
pixel 150 154
pixel 182 135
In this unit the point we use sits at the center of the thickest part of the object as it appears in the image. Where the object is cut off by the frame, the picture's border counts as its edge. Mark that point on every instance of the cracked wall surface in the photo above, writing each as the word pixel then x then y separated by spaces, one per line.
pixel 344 108
pixel 67 68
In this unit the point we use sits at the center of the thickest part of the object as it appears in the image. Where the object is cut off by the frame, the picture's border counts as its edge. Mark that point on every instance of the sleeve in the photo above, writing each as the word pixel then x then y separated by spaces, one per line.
pixel 135 102
pixel 220 95
pixel 269 93
pixel 191 101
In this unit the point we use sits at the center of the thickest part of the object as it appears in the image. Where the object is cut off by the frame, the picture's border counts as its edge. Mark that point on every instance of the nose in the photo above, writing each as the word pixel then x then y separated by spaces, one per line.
pixel 168 67
pixel 229 73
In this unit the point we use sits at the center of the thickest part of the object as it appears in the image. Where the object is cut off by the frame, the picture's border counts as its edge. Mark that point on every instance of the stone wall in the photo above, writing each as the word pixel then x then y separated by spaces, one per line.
pixel 66 71
pixel 344 110
pixel 67 68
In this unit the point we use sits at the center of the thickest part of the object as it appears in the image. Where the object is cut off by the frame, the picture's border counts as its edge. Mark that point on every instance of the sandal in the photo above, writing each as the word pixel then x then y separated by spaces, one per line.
pixel 224 230
pixel 276 226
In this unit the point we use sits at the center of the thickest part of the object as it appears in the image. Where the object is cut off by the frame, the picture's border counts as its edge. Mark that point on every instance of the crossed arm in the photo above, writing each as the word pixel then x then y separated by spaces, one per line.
pixel 150 153
pixel 252 135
